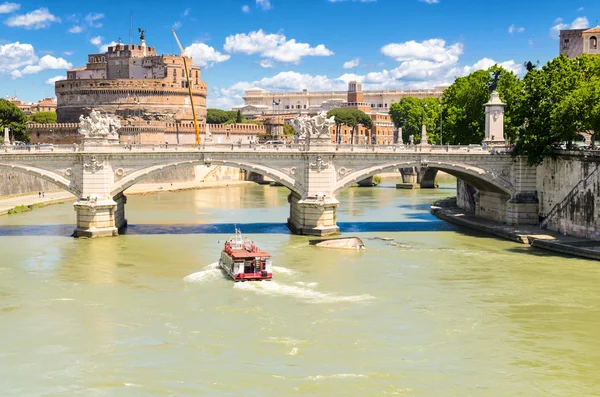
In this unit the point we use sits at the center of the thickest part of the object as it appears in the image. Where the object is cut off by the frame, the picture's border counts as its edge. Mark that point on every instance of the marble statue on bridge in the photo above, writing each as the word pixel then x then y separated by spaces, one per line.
pixel 98 126
pixel 316 127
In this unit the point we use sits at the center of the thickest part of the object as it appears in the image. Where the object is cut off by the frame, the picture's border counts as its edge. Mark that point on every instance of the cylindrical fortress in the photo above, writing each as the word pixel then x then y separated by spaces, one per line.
pixel 129 99
pixel 134 83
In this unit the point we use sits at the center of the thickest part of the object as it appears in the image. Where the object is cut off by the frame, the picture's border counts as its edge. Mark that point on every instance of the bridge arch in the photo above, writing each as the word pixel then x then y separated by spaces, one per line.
pixel 46 175
pixel 140 175
pixel 477 177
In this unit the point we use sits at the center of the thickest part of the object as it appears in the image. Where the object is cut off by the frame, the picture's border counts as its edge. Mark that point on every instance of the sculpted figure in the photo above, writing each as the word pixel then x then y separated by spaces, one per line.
pixel 492 85
pixel 313 127
pixel 97 126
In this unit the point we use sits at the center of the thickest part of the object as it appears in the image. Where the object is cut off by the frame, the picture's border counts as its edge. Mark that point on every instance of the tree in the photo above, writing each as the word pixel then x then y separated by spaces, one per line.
pixel 288 130
pixel 560 100
pixel 218 116
pixel 349 117
pixel 43 117
pixel 13 118
pixel 464 111
pixel 238 117
pixel 342 117
pixel 410 113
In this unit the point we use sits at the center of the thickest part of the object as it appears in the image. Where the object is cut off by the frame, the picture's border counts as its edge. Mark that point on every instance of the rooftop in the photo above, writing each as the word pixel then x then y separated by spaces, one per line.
pixel 593 30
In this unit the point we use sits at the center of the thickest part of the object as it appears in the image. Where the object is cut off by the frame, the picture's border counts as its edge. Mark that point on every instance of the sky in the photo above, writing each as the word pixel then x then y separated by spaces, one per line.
pixel 288 45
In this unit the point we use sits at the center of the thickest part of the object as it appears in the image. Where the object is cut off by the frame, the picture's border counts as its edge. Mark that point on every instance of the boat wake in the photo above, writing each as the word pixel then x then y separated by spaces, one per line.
pixel 303 292
pixel 210 272
pixel 283 270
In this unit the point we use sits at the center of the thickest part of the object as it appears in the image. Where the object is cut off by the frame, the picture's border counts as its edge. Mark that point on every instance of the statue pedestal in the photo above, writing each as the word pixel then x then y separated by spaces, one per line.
pixel 320 144
pixel 98 143
pixel 494 121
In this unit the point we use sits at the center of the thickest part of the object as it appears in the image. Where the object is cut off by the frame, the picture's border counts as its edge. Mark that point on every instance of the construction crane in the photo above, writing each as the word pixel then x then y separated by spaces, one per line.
pixel 189 84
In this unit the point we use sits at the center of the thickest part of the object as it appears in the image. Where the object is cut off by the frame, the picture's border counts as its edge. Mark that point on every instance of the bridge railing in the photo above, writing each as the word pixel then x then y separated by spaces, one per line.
pixel 216 147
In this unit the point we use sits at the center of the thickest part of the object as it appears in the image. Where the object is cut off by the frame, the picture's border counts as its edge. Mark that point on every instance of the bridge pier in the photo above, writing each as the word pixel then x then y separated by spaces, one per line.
pixel 97 217
pixel 313 216
pixel 409 178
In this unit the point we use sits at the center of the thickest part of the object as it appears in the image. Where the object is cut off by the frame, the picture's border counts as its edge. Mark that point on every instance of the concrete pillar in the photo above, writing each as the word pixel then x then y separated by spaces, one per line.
pixel 313 216
pixel 409 179
pixel 426 178
pixel 95 217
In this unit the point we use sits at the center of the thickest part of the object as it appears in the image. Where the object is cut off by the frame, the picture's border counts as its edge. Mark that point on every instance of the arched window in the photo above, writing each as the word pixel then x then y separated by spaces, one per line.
pixel 593 43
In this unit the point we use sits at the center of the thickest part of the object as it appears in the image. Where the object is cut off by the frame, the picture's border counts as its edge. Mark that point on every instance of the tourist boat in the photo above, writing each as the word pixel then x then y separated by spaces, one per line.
pixel 353 243
pixel 244 261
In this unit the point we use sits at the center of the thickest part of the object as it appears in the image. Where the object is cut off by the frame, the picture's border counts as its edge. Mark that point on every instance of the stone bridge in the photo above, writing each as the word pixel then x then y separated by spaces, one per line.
pixel 99 174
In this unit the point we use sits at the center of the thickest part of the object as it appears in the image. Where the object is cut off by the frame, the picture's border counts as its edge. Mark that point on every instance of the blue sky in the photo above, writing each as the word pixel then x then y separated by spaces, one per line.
pixel 285 45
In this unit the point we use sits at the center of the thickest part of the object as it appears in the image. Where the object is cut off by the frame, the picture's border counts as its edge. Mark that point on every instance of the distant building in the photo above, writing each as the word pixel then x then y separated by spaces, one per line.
pixel 134 83
pixel 576 42
pixel 44 105
pixel 259 102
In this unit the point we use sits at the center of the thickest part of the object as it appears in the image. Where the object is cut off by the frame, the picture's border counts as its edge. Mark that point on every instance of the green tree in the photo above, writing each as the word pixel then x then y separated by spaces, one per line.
pixel 464 111
pixel 410 113
pixel 218 116
pixel 559 101
pixel 342 117
pixel 13 118
pixel 288 130
pixel 43 117
pixel 238 117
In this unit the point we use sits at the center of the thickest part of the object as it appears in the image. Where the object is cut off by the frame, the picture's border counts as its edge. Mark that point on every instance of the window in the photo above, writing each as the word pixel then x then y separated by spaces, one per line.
pixel 566 43
pixel 593 43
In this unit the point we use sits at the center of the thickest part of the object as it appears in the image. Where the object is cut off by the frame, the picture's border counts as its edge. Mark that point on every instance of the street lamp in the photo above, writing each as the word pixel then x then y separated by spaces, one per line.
pixel 441 127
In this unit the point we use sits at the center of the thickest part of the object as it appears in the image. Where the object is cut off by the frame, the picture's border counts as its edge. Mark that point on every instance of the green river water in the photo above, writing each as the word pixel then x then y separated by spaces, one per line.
pixel 149 314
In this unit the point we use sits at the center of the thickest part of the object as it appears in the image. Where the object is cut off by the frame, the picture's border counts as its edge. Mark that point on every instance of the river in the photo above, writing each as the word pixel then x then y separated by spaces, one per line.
pixel 148 313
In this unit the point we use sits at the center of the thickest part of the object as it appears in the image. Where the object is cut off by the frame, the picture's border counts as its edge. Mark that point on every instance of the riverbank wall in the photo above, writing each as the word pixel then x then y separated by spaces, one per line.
pixel 568 196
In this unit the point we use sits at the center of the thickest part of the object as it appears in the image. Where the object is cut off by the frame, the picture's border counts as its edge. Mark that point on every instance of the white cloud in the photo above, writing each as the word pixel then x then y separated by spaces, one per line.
pixel 273 46
pixel 76 29
pixel 186 12
pixel 578 23
pixel 91 19
pixel 430 1
pixel 69 53
pixel 580 9
pixel 265 5
pixel 484 64
pixel 512 29
pixel 176 25
pixel 54 79
pixel 434 50
pixel 98 42
pixel 38 19
pixel 420 65
pixel 204 55
pixel 7 8
pixel 352 63
pixel 245 9
pixel 265 63
pixel 19 59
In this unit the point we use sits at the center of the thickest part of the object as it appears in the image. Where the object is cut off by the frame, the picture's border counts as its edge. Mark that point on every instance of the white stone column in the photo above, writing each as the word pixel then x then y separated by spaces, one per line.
pixel 6 137
pixel 424 138
pixel 494 121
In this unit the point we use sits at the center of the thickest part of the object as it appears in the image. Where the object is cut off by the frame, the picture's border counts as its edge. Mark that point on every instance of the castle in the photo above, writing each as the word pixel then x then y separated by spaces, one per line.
pixel 148 92
pixel 133 82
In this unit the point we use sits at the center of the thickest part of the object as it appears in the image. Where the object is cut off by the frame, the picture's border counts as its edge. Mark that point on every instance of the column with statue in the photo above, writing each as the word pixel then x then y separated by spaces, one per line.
pixel 494 116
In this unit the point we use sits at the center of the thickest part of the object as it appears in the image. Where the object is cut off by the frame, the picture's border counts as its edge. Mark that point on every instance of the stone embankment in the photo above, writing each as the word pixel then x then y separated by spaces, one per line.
pixel 525 234
pixel 30 201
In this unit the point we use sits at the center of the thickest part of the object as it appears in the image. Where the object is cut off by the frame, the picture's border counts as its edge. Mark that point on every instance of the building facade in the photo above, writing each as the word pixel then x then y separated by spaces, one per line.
pixel 258 101
pixel 576 42
pixel 43 105
pixel 132 82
